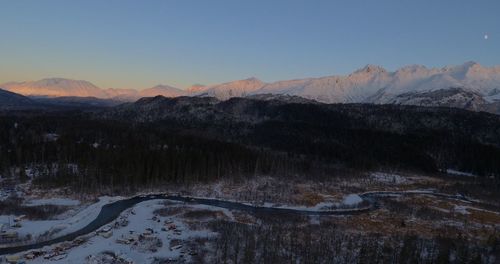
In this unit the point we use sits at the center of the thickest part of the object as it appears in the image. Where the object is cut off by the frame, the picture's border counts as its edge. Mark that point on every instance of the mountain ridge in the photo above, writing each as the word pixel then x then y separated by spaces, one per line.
pixel 370 84
pixel 13 101
pixel 61 87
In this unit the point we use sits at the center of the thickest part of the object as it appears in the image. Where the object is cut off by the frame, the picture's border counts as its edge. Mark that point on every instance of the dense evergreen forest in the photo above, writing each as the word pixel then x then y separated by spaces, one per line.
pixel 93 154
pixel 159 140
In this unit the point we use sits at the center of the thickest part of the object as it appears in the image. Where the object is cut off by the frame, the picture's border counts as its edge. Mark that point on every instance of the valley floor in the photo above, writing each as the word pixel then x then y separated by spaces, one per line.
pixel 164 231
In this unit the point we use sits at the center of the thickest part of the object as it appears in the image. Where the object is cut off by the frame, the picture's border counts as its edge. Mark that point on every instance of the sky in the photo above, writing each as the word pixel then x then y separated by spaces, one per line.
pixel 139 44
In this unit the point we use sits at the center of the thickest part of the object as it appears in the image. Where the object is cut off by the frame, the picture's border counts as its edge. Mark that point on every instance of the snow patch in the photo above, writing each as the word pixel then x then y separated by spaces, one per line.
pixel 352 199
pixel 141 221
pixel 460 173
pixel 461 209
pixel 389 178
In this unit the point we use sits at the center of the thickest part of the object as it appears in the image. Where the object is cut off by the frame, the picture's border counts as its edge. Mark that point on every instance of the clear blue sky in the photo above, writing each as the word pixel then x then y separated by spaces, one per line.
pixel 137 44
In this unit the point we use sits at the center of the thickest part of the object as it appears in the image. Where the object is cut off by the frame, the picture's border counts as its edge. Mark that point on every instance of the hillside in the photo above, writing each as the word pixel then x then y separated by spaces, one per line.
pixel 422 138
pixel 13 101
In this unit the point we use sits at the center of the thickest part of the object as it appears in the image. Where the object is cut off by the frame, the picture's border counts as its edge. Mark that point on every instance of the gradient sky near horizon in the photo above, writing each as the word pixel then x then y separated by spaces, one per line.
pixel 138 44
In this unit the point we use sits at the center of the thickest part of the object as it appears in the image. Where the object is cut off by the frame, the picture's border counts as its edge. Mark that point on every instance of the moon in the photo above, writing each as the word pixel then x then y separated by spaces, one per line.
pixel 486 36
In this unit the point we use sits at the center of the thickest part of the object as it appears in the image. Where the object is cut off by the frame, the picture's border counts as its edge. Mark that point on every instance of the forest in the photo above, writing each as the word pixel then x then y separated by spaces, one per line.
pixel 118 149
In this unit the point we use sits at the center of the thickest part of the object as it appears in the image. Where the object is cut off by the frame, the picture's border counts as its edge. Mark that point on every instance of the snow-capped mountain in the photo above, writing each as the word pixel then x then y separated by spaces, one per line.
pixel 373 84
pixel 59 87
pixel 228 90
pixel 55 87
pixel 469 86
pixel 356 87
pixel 196 88
pixel 469 77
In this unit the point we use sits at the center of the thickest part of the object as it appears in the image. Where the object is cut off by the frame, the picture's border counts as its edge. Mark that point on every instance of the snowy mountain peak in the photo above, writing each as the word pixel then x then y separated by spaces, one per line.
pixel 470 64
pixel 413 68
pixel 56 87
pixel 370 68
pixel 196 88
pixel 61 81
pixel 237 88
pixel 253 79
pixel 463 68
pixel 162 87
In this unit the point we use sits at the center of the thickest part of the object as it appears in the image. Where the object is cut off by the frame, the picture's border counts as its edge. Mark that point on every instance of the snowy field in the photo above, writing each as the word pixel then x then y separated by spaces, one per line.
pixel 137 236
pixel 141 222
pixel 388 178
pixel 45 229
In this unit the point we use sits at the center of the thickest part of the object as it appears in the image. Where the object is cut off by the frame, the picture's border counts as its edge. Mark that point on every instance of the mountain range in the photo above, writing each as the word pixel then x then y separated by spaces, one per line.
pixel 59 87
pixel 469 86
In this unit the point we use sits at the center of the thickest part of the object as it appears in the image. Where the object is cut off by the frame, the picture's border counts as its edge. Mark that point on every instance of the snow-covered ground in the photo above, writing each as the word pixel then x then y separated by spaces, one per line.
pixel 49 228
pixel 352 200
pixel 141 222
pixel 460 173
pixel 349 201
pixel 460 209
pixel 388 178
